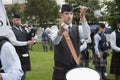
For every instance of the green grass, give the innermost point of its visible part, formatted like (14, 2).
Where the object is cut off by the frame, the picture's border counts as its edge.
(42, 64)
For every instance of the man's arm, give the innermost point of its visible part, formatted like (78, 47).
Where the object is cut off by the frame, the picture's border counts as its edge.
(55, 35)
(97, 39)
(10, 63)
(14, 41)
(84, 30)
(113, 42)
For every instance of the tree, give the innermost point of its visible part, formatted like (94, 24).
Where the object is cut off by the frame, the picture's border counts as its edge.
(15, 8)
(41, 12)
(93, 4)
(112, 12)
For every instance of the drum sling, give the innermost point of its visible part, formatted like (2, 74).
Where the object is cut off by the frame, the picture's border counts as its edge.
(71, 47)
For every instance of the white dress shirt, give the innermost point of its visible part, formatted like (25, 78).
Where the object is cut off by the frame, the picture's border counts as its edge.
(97, 38)
(113, 42)
(7, 32)
(10, 63)
(84, 33)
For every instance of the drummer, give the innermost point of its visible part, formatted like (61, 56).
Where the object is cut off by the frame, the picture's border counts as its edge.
(101, 51)
(63, 60)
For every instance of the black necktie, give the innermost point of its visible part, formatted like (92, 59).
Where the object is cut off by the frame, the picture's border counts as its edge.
(69, 29)
(20, 28)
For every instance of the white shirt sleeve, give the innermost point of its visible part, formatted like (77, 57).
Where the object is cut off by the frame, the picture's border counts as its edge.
(13, 40)
(10, 63)
(97, 38)
(89, 40)
(54, 35)
(8, 33)
(84, 31)
(83, 46)
(113, 42)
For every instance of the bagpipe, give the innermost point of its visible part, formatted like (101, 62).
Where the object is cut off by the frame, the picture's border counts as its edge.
(31, 33)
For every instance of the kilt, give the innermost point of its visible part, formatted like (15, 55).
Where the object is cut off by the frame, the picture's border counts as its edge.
(85, 55)
(59, 72)
(99, 61)
(26, 65)
(24, 56)
(115, 63)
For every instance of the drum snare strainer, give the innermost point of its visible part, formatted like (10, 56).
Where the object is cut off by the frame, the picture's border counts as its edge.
(82, 74)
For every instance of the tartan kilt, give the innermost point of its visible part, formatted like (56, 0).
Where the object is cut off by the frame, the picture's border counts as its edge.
(59, 73)
(85, 55)
(99, 61)
(26, 65)
(25, 60)
(115, 63)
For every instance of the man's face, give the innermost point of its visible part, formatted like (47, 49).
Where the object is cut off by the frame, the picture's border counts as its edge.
(118, 25)
(102, 30)
(16, 21)
(67, 17)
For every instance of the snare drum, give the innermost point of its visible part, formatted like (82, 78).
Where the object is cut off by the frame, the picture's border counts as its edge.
(82, 74)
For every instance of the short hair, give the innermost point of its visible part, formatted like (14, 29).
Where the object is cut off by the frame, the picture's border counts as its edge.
(101, 25)
(16, 16)
(118, 21)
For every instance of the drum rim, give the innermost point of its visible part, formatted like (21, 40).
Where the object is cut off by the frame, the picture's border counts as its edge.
(86, 68)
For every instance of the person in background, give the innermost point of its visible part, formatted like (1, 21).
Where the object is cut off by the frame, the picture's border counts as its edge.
(63, 60)
(22, 51)
(85, 54)
(45, 39)
(115, 45)
(101, 51)
(10, 66)
(51, 45)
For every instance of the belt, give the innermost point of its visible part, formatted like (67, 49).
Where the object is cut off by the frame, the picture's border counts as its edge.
(59, 64)
(62, 66)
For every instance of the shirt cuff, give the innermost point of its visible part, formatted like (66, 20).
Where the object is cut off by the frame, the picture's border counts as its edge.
(84, 23)
(57, 39)
(97, 52)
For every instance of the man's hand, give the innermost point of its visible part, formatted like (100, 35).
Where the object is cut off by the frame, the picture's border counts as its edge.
(99, 55)
(30, 42)
(62, 26)
(34, 39)
(107, 44)
(1, 77)
(83, 10)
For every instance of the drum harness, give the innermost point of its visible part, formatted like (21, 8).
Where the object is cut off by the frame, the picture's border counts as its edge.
(71, 47)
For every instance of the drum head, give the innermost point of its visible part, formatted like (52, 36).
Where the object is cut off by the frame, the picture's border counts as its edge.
(82, 74)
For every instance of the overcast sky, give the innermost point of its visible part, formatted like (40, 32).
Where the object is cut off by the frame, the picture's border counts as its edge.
(10, 1)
